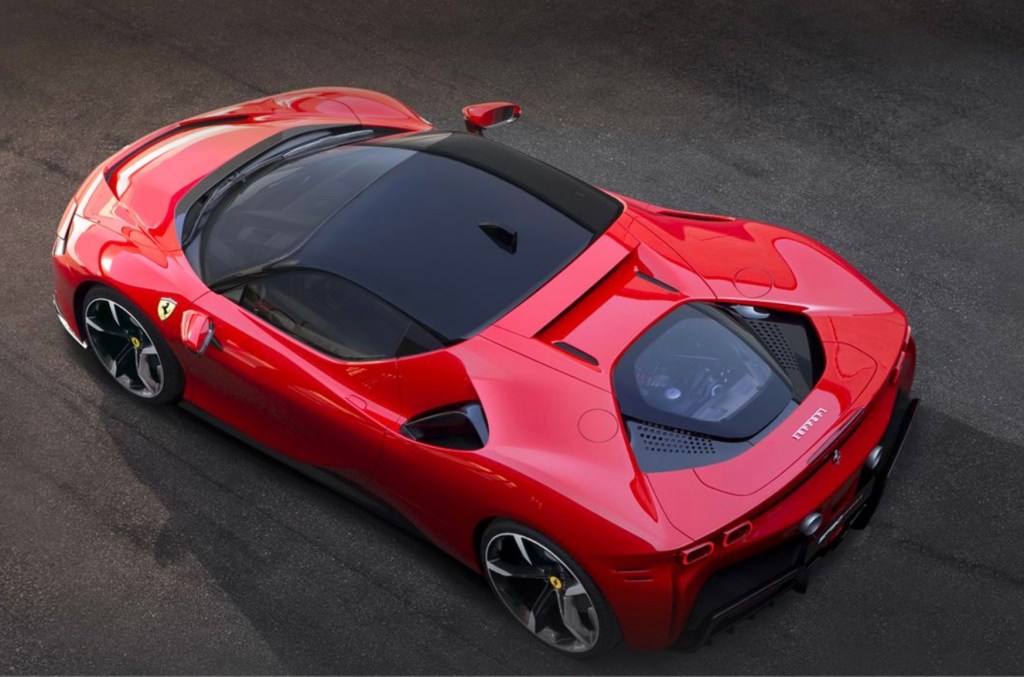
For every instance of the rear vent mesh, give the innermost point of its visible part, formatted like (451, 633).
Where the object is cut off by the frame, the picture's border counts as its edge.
(661, 438)
(771, 336)
(659, 447)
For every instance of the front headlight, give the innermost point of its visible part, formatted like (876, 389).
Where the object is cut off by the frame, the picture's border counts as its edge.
(61, 245)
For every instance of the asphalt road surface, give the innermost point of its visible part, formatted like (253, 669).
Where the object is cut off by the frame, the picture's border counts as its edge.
(141, 540)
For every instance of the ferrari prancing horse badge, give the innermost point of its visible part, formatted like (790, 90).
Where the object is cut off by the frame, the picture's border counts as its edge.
(165, 308)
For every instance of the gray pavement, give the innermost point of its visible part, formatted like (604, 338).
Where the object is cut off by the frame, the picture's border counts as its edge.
(135, 540)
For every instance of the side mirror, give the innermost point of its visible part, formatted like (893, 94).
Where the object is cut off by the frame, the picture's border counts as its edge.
(196, 331)
(481, 116)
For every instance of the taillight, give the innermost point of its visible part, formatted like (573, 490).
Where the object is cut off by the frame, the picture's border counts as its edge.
(730, 536)
(894, 375)
(736, 533)
(696, 552)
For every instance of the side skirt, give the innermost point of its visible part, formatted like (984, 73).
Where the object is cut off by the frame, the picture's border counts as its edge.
(347, 489)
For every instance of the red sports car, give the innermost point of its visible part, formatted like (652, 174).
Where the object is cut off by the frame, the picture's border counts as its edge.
(638, 423)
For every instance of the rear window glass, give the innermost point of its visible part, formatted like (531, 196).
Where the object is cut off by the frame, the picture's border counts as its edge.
(696, 371)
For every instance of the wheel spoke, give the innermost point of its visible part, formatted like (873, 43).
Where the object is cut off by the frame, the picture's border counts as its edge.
(541, 606)
(145, 371)
(113, 312)
(517, 570)
(124, 347)
(542, 592)
(571, 618)
(522, 548)
(91, 323)
(592, 615)
(135, 323)
(545, 600)
(575, 589)
(119, 366)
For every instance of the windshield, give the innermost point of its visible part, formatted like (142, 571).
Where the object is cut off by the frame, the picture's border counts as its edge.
(274, 213)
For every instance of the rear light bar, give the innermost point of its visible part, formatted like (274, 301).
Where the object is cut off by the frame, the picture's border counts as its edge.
(737, 533)
(894, 375)
(696, 552)
(730, 536)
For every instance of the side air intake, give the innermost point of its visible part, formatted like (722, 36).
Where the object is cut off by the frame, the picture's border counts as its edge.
(461, 426)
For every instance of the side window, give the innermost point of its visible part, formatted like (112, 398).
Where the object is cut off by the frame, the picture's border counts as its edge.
(333, 315)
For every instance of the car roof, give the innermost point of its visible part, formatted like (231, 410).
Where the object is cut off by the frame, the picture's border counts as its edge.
(452, 229)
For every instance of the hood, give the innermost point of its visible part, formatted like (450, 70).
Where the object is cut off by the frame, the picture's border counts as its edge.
(151, 180)
(149, 176)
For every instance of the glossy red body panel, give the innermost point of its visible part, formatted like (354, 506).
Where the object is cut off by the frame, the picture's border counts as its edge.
(557, 458)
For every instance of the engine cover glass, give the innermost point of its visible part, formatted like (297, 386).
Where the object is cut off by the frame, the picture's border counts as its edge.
(701, 371)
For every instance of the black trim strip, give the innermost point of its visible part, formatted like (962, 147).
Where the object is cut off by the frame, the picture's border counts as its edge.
(576, 352)
(655, 281)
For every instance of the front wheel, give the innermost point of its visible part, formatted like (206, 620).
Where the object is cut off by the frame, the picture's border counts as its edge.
(547, 591)
(130, 348)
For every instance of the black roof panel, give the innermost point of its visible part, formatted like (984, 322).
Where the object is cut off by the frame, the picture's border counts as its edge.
(452, 229)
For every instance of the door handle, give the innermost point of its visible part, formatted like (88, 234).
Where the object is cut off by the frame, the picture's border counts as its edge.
(197, 332)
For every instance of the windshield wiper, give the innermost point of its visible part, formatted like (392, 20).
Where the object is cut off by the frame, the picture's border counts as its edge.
(326, 142)
(283, 153)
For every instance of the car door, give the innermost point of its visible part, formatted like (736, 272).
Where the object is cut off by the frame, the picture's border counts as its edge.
(302, 362)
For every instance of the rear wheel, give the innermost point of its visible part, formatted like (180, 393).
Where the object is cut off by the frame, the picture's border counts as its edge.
(547, 591)
(130, 348)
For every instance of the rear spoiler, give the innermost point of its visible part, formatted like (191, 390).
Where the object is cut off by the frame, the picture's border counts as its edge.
(133, 150)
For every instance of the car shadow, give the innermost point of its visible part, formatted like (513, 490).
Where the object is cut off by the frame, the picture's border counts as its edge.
(327, 586)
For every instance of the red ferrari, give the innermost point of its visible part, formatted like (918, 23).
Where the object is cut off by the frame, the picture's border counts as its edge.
(638, 423)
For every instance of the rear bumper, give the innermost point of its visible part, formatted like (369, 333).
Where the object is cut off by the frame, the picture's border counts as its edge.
(739, 591)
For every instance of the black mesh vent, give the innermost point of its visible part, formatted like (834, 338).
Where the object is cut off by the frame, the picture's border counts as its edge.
(664, 439)
(658, 448)
(772, 338)
(718, 606)
(792, 342)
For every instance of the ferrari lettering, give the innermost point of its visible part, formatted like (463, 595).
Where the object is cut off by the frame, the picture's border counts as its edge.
(809, 423)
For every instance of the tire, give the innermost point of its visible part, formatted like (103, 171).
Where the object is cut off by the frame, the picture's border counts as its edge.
(530, 573)
(129, 347)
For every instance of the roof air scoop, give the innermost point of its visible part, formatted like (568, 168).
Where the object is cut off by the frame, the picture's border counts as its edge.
(503, 236)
